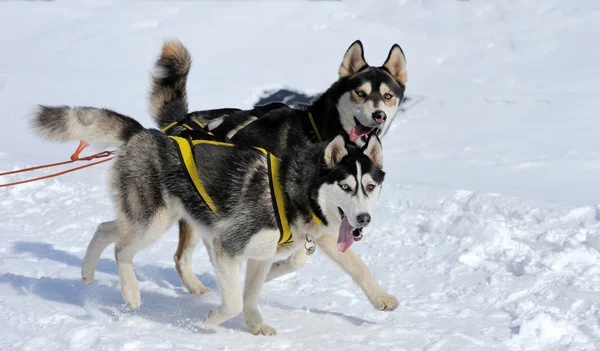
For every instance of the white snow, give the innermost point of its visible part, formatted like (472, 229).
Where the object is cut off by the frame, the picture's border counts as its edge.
(487, 230)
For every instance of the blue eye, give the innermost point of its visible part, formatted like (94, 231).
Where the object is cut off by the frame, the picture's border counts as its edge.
(345, 187)
(360, 93)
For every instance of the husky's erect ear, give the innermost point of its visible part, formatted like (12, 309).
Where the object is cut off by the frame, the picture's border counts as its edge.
(354, 60)
(335, 151)
(374, 150)
(396, 64)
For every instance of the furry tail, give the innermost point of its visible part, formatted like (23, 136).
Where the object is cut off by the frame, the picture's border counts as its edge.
(94, 125)
(168, 100)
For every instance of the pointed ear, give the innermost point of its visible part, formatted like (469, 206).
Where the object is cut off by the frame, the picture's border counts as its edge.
(396, 64)
(335, 151)
(374, 151)
(354, 60)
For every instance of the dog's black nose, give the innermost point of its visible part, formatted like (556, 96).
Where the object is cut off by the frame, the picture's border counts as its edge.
(379, 116)
(364, 219)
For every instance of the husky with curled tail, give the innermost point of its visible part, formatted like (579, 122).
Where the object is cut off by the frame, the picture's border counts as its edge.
(361, 103)
(248, 204)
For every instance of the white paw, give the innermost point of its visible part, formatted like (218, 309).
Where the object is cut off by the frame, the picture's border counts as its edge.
(199, 289)
(220, 315)
(261, 329)
(209, 320)
(87, 275)
(384, 302)
(132, 298)
(134, 303)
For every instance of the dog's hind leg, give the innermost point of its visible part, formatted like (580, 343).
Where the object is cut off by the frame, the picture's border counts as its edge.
(209, 249)
(188, 240)
(137, 237)
(228, 272)
(106, 234)
(124, 252)
(291, 264)
(256, 271)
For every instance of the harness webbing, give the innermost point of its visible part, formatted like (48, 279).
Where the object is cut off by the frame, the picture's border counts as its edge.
(186, 155)
(314, 125)
(285, 234)
(196, 136)
(186, 126)
(187, 159)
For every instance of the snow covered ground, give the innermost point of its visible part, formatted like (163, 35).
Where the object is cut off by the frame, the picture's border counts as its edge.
(487, 230)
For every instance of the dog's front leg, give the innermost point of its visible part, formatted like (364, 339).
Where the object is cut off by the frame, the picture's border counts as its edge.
(358, 270)
(291, 264)
(228, 273)
(256, 271)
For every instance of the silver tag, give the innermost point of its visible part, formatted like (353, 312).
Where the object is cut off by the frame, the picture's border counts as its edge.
(310, 247)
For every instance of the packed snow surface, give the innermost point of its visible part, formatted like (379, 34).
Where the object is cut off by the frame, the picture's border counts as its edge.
(486, 231)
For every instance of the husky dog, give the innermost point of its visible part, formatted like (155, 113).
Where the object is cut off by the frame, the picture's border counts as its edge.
(361, 103)
(364, 100)
(324, 187)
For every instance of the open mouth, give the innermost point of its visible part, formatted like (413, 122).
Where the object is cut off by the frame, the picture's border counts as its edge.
(347, 234)
(359, 131)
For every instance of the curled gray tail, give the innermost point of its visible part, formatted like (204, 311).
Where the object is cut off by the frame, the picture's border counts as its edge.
(97, 126)
(168, 100)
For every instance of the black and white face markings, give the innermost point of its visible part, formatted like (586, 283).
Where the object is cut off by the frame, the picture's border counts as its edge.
(371, 95)
(353, 183)
(371, 102)
(362, 189)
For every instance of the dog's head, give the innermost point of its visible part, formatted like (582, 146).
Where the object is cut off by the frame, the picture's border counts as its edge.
(368, 97)
(351, 181)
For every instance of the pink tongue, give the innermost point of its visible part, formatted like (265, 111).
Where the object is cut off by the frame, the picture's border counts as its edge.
(345, 238)
(358, 132)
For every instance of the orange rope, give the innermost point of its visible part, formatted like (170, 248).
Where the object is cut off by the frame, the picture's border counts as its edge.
(74, 158)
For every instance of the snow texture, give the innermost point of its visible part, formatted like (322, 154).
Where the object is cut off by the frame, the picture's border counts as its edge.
(486, 231)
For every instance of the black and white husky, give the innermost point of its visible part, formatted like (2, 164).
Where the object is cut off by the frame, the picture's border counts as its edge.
(325, 187)
(363, 102)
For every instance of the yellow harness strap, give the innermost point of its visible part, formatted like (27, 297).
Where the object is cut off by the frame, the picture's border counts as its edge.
(187, 159)
(279, 203)
(169, 127)
(186, 126)
(285, 235)
(316, 219)
(314, 125)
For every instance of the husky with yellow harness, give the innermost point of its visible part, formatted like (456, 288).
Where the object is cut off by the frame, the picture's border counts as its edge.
(247, 204)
